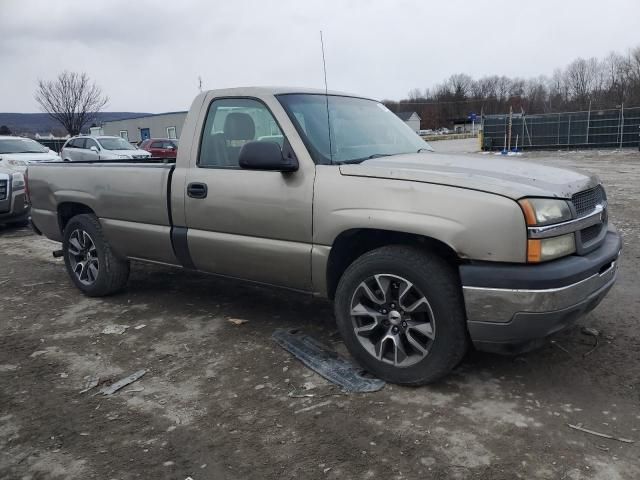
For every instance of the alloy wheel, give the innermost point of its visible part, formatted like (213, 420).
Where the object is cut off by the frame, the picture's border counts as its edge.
(392, 320)
(83, 257)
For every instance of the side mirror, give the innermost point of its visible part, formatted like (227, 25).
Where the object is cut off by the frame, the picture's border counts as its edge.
(265, 156)
(94, 148)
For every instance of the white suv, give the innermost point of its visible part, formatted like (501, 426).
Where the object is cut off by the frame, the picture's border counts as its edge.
(87, 148)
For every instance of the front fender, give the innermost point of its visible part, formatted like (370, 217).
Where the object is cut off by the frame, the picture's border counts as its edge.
(476, 225)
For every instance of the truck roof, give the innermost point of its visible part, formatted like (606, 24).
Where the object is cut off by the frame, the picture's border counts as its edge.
(257, 91)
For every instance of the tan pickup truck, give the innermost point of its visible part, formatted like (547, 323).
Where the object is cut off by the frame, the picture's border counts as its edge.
(422, 253)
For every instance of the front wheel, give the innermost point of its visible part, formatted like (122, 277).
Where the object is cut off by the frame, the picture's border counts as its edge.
(90, 262)
(401, 314)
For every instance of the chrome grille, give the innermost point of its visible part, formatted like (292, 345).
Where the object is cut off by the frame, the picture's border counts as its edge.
(3, 189)
(585, 202)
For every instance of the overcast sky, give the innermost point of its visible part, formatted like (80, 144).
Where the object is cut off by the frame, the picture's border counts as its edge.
(147, 55)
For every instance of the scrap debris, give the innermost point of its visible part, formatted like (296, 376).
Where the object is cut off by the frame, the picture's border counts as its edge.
(237, 321)
(37, 284)
(115, 329)
(114, 387)
(593, 333)
(91, 382)
(322, 360)
(603, 435)
(312, 407)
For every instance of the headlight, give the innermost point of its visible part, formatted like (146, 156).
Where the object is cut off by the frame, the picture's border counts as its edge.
(17, 182)
(124, 156)
(544, 211)
(545, 249)
(17, 163)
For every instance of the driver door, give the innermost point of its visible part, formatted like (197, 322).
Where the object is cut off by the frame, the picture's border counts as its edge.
(249, 224)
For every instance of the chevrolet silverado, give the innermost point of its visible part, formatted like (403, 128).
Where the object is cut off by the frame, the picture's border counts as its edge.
(422, 254)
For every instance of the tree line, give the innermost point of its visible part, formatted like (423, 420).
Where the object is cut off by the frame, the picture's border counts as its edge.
(596, 83)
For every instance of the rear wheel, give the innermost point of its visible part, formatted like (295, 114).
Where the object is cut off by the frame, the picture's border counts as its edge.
(90, 262)
(401, 314)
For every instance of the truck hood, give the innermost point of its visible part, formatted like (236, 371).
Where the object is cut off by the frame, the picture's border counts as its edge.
(489, 173)
(133, 153)
(18, 161)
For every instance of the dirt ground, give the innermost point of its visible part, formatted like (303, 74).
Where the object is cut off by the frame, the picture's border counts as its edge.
(220, 400)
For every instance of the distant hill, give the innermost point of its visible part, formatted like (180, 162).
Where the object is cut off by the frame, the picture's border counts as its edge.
(25, 123)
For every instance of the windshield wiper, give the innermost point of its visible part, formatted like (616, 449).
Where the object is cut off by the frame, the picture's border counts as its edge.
(370, 157)
(420, 150)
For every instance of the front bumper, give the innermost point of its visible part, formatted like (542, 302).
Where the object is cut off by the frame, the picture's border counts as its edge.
(512, 308)
(14, 208)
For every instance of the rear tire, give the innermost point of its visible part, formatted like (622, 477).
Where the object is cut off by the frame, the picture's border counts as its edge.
(91, 264)
(401, 314)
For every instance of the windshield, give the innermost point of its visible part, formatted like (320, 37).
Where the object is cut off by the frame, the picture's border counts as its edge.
(115, 143)
(360, 128)
(21, 145)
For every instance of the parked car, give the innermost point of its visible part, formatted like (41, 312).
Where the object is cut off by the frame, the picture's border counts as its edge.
(90, 148)
(14, 208)
(161, 147)
(421, 252)
(16, 153)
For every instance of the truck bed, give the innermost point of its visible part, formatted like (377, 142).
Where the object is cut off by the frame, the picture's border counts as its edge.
(130, 197)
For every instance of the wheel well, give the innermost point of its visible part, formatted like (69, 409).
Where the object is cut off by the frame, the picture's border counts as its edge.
(350, 245)
(68, 210)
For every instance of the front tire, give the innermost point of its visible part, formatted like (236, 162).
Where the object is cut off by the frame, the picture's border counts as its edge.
(401, 314)
(90, 262)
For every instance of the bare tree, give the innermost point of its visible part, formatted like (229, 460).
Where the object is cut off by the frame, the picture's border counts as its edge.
(71, 99)
(585, 83)
(460, 85)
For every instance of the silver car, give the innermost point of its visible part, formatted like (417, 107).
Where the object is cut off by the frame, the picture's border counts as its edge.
(14, 207)
(87, 148)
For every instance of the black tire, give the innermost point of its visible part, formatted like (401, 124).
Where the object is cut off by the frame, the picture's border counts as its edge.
(112, 271)
(438, 283)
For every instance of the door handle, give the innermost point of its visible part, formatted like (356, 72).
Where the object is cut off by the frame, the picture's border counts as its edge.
(197, 190)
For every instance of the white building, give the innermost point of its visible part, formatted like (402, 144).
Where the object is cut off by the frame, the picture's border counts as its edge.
(161, 125)
(410, 118)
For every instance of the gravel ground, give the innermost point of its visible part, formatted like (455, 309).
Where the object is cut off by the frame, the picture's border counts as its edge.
(216, 401)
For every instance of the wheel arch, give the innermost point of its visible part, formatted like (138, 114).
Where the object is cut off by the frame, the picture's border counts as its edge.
(351, 244)
(68, 210)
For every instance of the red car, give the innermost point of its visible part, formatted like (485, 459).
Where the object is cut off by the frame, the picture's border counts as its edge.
(161, 147)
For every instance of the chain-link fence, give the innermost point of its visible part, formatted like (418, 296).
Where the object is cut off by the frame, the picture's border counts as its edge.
(615, 128)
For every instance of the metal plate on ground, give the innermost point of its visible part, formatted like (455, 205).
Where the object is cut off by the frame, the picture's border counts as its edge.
(329, 364)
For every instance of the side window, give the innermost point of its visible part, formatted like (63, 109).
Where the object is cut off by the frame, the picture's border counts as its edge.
(230, 123)
(156, 145)
(78, 143)
(88, 143)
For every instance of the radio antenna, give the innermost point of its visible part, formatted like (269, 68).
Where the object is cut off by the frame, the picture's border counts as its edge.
(326, 96)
